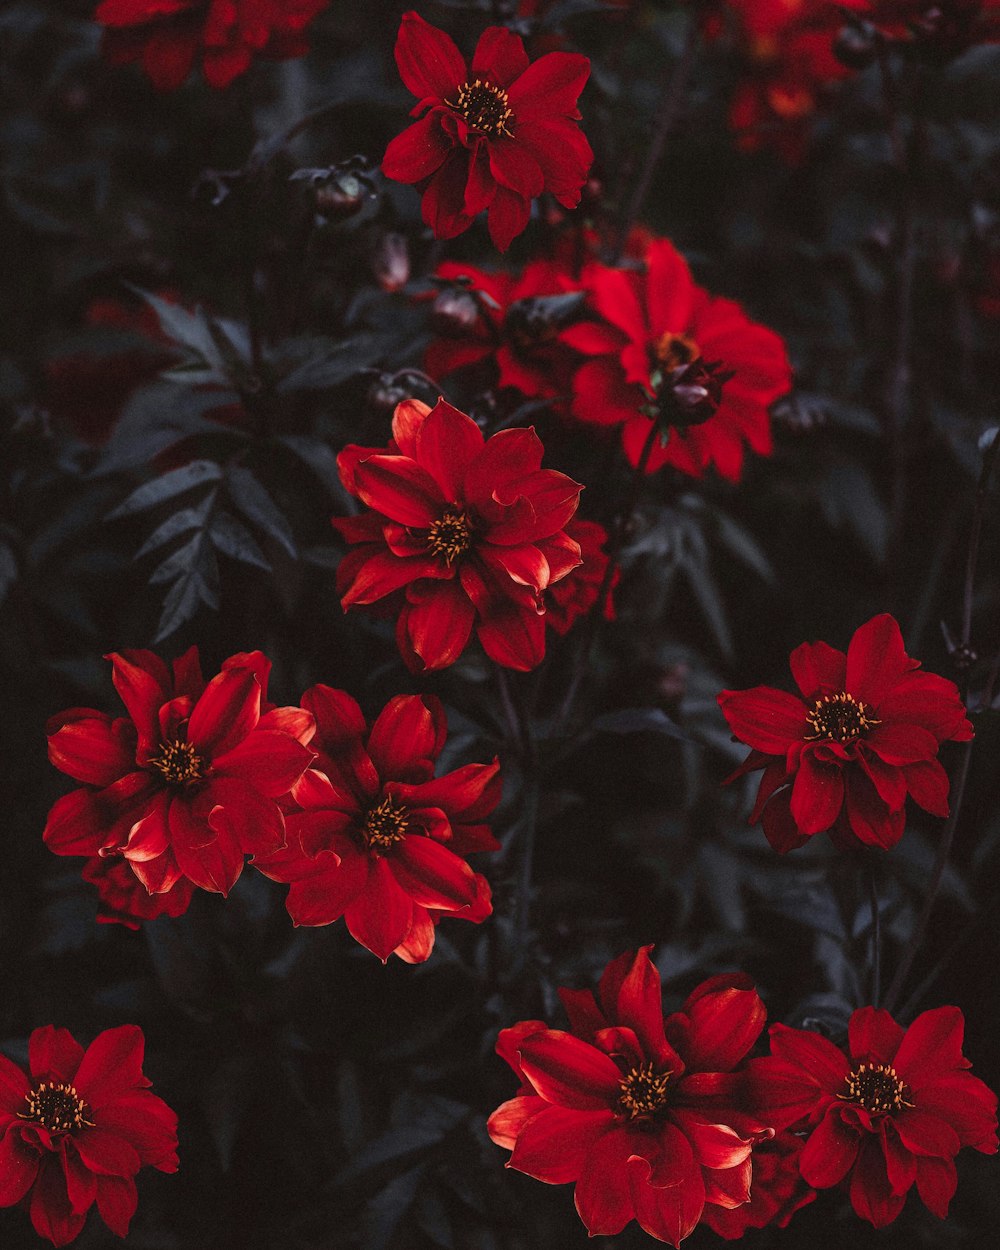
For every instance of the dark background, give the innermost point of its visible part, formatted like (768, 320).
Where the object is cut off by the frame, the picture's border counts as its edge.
(326, 1101)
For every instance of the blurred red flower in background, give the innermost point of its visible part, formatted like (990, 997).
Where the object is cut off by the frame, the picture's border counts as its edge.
(641, 1112)
(186, 784)
(894, 1110)
(576, 594)
(77, 1127)
(165, 36)
(493, 136)
(376, 837)
(123, 899)
(472, 530)
(844, 754)
(667, 356)
(776, 1192)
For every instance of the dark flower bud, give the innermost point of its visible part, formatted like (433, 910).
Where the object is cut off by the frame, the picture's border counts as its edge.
(687, 394)
(339, 197)
(856, 45)
(454, 312)
(386, 392)
(537, 319)
(391, 261)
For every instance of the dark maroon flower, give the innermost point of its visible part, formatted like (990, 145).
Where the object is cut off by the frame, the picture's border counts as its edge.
(777, 1191)
(77, 1127)
(123, 899)
(894, 1110)
(842, 756)
(576, 594)
(493, 136)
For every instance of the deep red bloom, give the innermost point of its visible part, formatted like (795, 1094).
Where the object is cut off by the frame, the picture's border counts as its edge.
(492, 136)
(473, 529)
(377, 838)
(666, 351)
(123, 899)
(895, 1109)
(186, 784)
(777, 1191)
(575, 595)
(516, 328)
(77, 1127)
(166, 35)
(844, 754)
(641, 1112)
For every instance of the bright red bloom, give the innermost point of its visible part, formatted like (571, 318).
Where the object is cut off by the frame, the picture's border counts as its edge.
(895, 1109)
(473, 529)
(575, 595)
(639, 1111)
(844, 754)
(186, 784)
(123, 899)
(166, 35)
(493, 136)
(516, 328)
(777, 1191)
(377, 838)
(666, 351)
(77, 1127)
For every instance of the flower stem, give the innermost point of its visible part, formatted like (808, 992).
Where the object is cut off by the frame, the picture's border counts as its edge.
(876, 934)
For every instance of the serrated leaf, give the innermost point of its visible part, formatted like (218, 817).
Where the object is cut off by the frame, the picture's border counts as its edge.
(174, 482)
(155, 418)
(233, 539)
(196, 586)
(190, 330)
(177, 524)
(250, 497)
(332, 363)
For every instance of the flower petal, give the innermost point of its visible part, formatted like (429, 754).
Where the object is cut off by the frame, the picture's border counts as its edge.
(668, 1212)
(226, 713)
(400, 489)
(555, 1144)
(380, 917)
(766, 719)
(111, 1065)
(429, 63)
(431, 875)
(447, 442)
(499, 56)
(817, 794)
(54, 1055)
(819, 670)
(603, 1195)
(830, 1151)
(876, 659)
(417, 152)
(568, 1072)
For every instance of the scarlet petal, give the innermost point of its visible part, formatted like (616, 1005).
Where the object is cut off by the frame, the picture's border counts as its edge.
(469, 793)
(380, 917)
(74, 825)
(874, 1035)
(93, 749)
(514, 638)
(106, 1153)
(18, 1168)
(937, 1180)
(51, 1214)
(553, 1146)
(213, 865)
(714, 1145)
(569, 1072)
(823, 1062)
(111, 1065)
(505, 1124)
(226, 713)
(871, 820)
(902, 744)
(509, 214)
(54, 1055)
(242, 817)
(926, 1134)
(723, 1027)
(407, 737)
(429, 63)
(550, 86)
(830, 1152)
(143, 685)
(968, 1105)
(928, 785)
(639, 1006)
(931, 1046)
(871, 1193)
(900, 1164)
(513, 166)
(432, 875)
(117, 1200)
(400, 489)
(442, 204)
(766, 719)
(876, 659)
(817, 794)
(603, 1194)
(438, 628)
(14, 1088)
(499, 57)
(322, 896)
(670, 1212)
(382, 573)
(446, 444)
(147, 1123)
(818, 670)
(419, 151)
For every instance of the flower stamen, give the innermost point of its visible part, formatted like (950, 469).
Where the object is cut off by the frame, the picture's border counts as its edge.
(450, 535)
(840, 718)
(56, 1107)
(484, 107)
(384, 826)
(644, 1093)
(179, 764)
(877, 1088)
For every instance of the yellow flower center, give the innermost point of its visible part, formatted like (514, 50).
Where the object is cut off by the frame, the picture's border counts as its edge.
(384, 826)
(450, 535)
(644, 1093)
(57, 1107)
(877, 1088)
(673, 350)
(484, 107)
(179, 764)
(840, 718)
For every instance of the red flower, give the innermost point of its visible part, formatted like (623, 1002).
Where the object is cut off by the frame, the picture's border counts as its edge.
(516, 327)
(123, 899)
(944, 29)
(186, 784)
(843, 756)
(665, 351)
(473, 529)
(377, 838)
(77, 1128)
(493, 136)
(896, 1109)
(165, 35)
(575, 595)
(777, 1192)
(639, 1111)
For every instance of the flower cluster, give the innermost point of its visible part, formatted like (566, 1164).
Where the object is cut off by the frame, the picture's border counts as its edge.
(77, 1127)
(843, 755)
(165, 36)
(493, 135)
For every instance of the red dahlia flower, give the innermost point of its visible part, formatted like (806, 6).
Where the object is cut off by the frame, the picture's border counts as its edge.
(668, 356)
(472, 529)
(777, 1191)
(377, 838)
(843, 756)
(639, 1111)
(77, 1127)
(165, 35)
(123, 899)
(185, 785)
(576, 594)
(896, 1109)
(516, 327)
(493, 136)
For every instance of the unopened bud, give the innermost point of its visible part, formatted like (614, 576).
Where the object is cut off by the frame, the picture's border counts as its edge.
(454, 312)
(856, 46)
(391, 261)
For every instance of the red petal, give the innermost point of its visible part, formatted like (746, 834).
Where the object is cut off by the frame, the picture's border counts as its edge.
(143, 684)
(380, 919)
(438, 628)
(407, 738)
(416, 947)
(817, 794)
(569, 1072)
(830, 1151)
(75, 825)
(407, 418)
(112, 1064)
(668, 1212)
(766, 719)
(928, 785)
(639, 1006)
(931, 1046)
(442, 205)
(513, 637)
(818, 670)
(505, 1124)
(214, 865)
(968, 1105)
(242, 817)
(668, 288)
(400, 489)
(876, 659)
(18, 1168)
(554, 1145)
(447, 442)
(226, 713)
(902, 744)
(81, 1184)
(51, 1215)
(419, 151)
(499, 56)
(508, 456)
(469, 793)
(132, 12)
(874, 1035)
(324, 895)
(937, 1180)
(54, 1055)
(513, 166)
(603, 1195)
(148, 1123)
(817, 1057)
(271, 762)
(900, 1164)
(870, 819)
(509, 214)
(116, 1201)
(432, 875)
(107, 1153)
(383, 573)
(429, 63)
(714, 1145)
(14, 1088)
(722, 1026)
(924, 1133)
(550, 86)
(509, 1043)
(92, 748)
(871, 1193)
